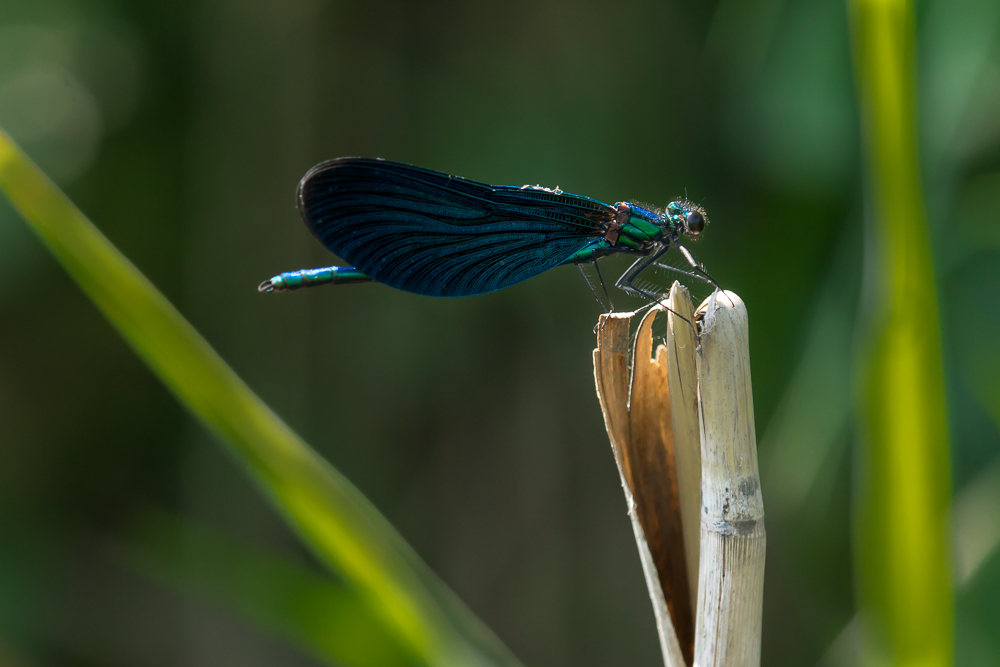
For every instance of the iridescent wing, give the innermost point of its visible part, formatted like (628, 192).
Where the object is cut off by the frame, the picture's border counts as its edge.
(430, 233)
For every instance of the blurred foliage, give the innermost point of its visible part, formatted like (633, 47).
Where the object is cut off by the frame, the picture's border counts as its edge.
(277, 594)
(903, 487)
(182, 128)
(327, 512)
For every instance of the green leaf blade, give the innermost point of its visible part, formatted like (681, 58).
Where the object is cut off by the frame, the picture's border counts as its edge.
(278, 595)
(328, 513)
(904, 489)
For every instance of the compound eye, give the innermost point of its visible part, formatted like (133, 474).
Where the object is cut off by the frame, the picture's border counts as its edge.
(695, 221)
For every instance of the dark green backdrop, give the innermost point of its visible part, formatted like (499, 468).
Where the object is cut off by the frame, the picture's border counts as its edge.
(182, 128)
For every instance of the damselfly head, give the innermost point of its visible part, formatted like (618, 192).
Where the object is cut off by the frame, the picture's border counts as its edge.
(687, 217)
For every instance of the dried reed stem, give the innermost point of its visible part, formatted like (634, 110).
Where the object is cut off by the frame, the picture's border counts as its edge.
(683, 436)
(682, 371)
(638, 419)
(731, 572)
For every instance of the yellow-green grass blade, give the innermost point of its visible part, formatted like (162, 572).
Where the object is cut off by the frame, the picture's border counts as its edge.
(330, 515)
(904, 579)
(282, 597)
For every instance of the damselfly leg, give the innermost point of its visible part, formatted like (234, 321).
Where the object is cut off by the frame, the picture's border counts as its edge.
(593, 291)
(625, 283)
(611, 304)
(699, 268)
(689, 274)
(604, 287)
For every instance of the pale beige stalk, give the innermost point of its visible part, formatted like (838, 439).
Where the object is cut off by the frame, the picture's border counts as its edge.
(682, 373)
(731, 570)
(638, 420)
(682, 431)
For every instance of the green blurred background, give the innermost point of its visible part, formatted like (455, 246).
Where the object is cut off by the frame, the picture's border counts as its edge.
(181, 129)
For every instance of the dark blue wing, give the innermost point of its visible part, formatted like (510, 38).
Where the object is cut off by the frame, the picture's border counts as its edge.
(427, 232)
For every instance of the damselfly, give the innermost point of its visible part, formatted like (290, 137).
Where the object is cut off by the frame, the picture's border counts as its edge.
(426, 232)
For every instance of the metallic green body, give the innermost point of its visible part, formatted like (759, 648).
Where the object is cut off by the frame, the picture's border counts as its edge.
(641, 229)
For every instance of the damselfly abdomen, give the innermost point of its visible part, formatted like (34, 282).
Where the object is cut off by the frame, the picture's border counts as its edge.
(429, 233)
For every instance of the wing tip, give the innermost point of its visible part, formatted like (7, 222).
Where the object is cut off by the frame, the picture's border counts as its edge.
(320, 168)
